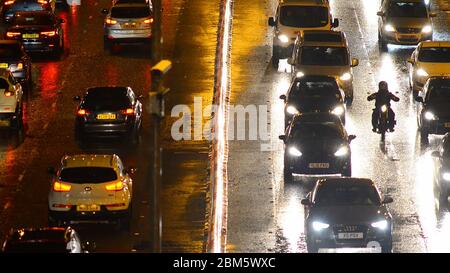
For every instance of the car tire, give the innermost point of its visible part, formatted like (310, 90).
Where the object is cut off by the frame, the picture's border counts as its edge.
(124, 223)
(424, 135)
(347, 171)
(287, 173)
(107, 45)
(382, 44)
(387, 247)
(312, 248)
(275, 59)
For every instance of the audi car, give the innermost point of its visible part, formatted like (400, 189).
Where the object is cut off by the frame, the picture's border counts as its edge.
(404, 22)
(90, 189)
(39, 31)
(14, 58)
(12, 6)
(313, 94)
(433, 111)
(109, 111)
(316, 144)
(44, 240)
(347, 213)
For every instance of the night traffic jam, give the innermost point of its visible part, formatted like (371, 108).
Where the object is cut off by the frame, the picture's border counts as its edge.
(224, 126)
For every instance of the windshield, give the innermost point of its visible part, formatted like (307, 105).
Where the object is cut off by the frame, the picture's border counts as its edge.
(407, 9)
(303, 16)
(304, 89)
(435, 55)
(346, 194)
(89, 175)
(130, 12)
(321, 55)
(106, 100)
(316, 130)
(33, 19)
(439, 91)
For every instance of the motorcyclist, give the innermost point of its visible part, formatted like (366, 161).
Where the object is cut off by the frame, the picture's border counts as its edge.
(383, 97)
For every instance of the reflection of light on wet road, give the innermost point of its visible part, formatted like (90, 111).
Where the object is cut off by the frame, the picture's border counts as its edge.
(370, 11)
(387, 72)
(292, 222)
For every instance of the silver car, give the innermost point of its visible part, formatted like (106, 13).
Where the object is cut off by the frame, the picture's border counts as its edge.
(128, 23)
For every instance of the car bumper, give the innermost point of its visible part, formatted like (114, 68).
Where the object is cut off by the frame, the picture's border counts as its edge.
(309, 166)
(74, 216)
(105, 128)
(406, 39)
(40, 45)
(132, 35)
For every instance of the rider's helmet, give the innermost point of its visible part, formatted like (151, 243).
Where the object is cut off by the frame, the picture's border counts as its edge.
(382, 85)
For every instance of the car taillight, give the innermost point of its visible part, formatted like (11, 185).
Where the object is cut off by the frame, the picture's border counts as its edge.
(48, 33)
(128, 112)
(12, 34)
(7, 3)
(148, 21)
(8, 94)
(62, 206)
(44, 2)
(115, 186)
(82, 112)
(110, 21)
(61, 187)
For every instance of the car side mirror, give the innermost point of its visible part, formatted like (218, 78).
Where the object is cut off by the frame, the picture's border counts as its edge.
(387, 200)
(89, 247)
(131, 170)
(335, 23)
(283, 97)
(77, 98)
(435, 154)
(410, 60)
(51, 170)
(419, 99)
(272, 22)
(306, 202)
(380, 13)
(282, 137)
(433, 14)
(355, 62)
(105, 11)
(351, 138)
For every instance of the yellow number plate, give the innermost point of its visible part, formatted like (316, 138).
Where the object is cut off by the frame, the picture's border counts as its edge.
(4, 65)
(106, 116)
(5, 122)
(128, 26)
(88, 208)
(30, 35)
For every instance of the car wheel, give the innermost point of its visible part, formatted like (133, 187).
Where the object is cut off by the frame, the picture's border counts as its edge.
(311, 247)
(17, 123)
(382, 44)
(124, 223)
(347, 171)
(288, 178)
(106, 44)
(134, 136)
(275, 59)
(424, 135)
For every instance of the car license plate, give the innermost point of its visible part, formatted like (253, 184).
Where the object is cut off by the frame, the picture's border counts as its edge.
(350, 235)
(30, 35)
(4, 65)
(447, 125)
(128, 26)
(5, 122)
(106, 116)
(88, 208)
(319, 165)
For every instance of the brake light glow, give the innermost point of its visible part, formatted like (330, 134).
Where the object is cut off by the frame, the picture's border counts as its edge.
(128, 111)
(19, 66)
(110, 21)
(8, 94)
(7, 3)
(148, 21)
(44, 2)
(61, 187)
(12, 34)
(82, 112)
(115, 186)
(48, 33)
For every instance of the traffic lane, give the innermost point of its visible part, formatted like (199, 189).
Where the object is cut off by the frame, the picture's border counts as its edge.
(392, 165)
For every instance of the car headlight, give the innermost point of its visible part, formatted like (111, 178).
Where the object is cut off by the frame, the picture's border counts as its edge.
(430, 116)
(346, 76)
(295, 152)
(383, 224)
(338, 111)
(292, 110)
(342, 151)
(446, 176)
(389, 28)
(300, 74)
(421, 73)
(283, 38)
(384, 108)
(318, 226)
(427, 29)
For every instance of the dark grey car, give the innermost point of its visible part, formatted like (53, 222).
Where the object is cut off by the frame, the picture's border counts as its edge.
(9, 7)
(347, 213)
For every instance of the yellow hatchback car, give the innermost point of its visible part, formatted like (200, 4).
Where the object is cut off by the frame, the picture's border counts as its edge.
(431, 58)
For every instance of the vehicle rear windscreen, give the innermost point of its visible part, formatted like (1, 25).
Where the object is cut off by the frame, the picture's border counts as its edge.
(106, 100)
(435, 55)
(130, 12)
(322, 55)
(91, 175)
(407, 9)
(33, 19)
(311, 89)
(10, 51)
(303, 16)
(342, 194)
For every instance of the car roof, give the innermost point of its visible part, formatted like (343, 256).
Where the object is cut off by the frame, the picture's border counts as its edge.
(39, 234)
(346, 180)
(304, 2)
(426, 44)
(88, 160)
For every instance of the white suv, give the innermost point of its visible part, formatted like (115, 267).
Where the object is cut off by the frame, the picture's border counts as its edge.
(11, 104)
(90, 188)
